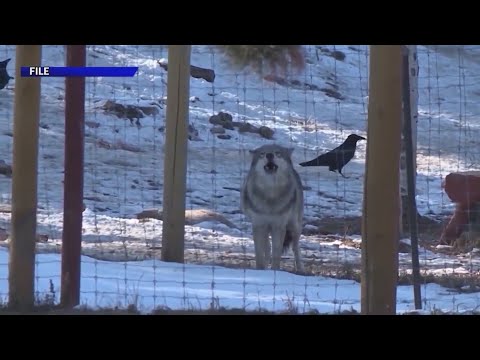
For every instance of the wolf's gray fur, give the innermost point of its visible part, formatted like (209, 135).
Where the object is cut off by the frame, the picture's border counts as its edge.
(272, 198)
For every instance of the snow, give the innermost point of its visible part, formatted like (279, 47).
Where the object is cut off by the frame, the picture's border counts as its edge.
(120, 183)
(154, 284)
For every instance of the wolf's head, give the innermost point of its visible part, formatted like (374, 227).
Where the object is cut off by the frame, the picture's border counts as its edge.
(272, 159)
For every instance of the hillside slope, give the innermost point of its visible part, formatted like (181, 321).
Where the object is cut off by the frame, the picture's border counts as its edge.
(312, 112)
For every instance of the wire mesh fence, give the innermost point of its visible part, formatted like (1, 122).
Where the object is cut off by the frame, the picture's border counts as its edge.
(230, 113)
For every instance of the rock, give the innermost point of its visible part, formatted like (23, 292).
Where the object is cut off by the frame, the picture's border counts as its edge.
(118, 145)
(5, 169)
(266, 132)
(218, 129)
(195, 71)
(224, 137)
(223, 119)
(244, 127)
(193, 133)
(294, 84)
(3, 234)
(333, 93)
(92, 124)
(336, 54)
(150, 214)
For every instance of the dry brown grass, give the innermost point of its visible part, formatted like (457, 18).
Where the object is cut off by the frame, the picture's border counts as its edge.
(132, 310)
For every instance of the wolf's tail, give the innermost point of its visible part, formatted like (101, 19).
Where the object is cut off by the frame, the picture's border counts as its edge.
(287, 241)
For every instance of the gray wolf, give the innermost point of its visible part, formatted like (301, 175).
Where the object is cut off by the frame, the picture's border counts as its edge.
(272, 198)
(337, 158)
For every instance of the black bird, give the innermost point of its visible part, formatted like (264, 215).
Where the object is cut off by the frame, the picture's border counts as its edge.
(4, 77)
(337, 158)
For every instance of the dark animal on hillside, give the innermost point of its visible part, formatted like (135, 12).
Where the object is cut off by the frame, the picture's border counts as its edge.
(4, 77)
(337, 158)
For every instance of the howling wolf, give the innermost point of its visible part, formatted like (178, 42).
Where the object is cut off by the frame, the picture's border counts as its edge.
(272, 198)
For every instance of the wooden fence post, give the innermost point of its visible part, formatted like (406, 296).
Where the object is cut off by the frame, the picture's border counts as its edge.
(381, 208)
(26, 117)
(176, 146)
(73, 179)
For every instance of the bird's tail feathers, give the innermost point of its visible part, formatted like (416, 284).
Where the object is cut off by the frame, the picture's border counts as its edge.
(319, 161)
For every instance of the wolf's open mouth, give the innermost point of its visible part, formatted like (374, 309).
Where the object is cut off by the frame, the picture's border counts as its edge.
(271, 167)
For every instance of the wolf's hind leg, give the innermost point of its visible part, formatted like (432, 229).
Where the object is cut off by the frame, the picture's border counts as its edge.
(296, 252)
(268, 252)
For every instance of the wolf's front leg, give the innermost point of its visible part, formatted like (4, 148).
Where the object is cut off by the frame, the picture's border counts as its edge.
(278, 235)
(260, 239)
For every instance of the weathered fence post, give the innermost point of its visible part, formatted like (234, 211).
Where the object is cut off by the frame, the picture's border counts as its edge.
(73, 179)
(409, 202)
(176, 146)
(414, 70)
(26, 118)
(412, 74)
(381, 208)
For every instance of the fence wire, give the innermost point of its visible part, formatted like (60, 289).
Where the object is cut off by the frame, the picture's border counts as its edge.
(313, 112)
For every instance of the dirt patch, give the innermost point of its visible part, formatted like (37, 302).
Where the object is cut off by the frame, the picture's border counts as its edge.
(428, 229)
(331, 225)
(118, 145)
(130, 112)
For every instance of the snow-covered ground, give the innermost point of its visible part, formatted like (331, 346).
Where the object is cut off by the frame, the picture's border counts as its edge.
(150, 285)
(120, 183)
